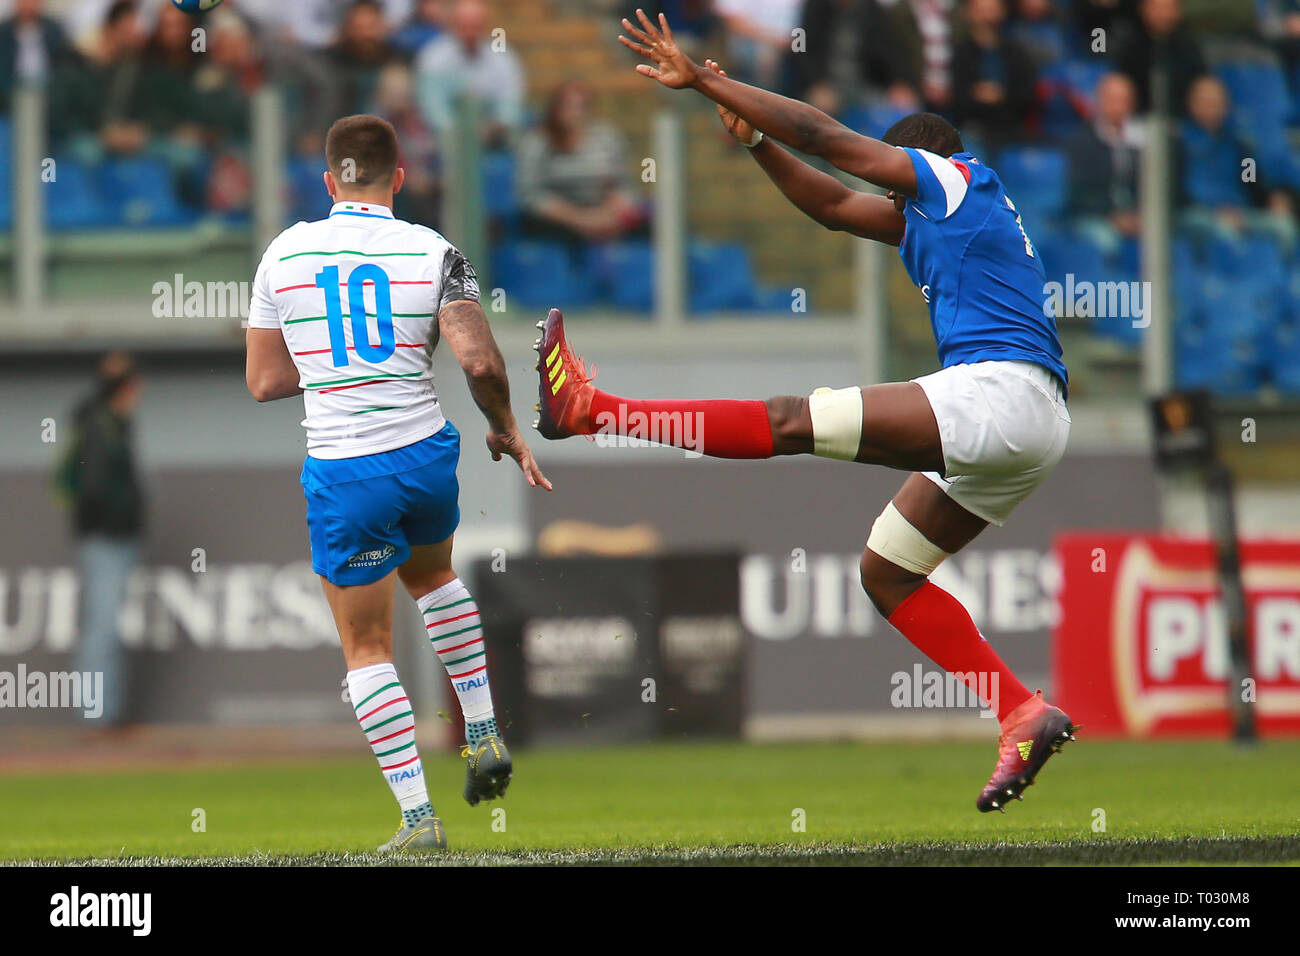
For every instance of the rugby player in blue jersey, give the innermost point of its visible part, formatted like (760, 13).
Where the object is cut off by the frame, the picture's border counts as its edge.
(979, 435)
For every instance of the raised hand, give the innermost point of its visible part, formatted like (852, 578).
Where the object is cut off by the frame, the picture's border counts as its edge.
(672, 67)
(736, 126)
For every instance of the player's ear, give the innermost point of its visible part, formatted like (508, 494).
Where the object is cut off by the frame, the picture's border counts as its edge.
(330, 186)
(399, 179)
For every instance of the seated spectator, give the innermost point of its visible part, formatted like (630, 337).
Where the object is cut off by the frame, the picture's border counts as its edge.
(425, 26)
(462, 61)
(993, 77)
(421, 196)
(852, 58)
(759, 38)
(230, 74)
(573, 181)
(1105, 157)
(355, 59)
(1115, 18)
(1039, 28)
(1161, 37)
(33, 47)
(1211, 180)
(104, 108)
(315, 23)
(925, 28)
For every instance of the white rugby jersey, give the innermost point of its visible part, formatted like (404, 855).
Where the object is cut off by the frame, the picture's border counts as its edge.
(357, 297)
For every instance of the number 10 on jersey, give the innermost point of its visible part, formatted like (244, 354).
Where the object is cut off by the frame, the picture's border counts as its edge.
(328, 280)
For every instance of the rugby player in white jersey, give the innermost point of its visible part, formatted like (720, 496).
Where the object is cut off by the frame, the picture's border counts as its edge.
(347, 311)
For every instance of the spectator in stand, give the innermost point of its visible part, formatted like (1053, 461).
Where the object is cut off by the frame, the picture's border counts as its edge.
(852, 57)
(227, 78)
(923, 29)
(316, 23)
(1104, 161)
(356, 58)
(421, 196)
(759, 35)
(1212, 188)
(176, 105)
(425, 26)
(1115, 18)
(1161, 37)
(993, 77)
(1040, 28)
(33, 48)
(573, 180)
(465, 60)
(1279, 23)
(104, 108)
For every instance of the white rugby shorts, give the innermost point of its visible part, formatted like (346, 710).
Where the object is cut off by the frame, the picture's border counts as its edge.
(1003, 427)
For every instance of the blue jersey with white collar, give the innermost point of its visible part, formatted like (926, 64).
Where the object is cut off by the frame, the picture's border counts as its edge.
(966, 249)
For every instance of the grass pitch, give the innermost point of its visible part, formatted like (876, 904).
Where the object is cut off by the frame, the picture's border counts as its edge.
(861, 803)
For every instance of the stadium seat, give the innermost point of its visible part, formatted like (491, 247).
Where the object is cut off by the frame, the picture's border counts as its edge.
(873, 119)
(499, 197)
(1035, 179)
(624, 274)
(539, 275)
(721, 277)
(1283, 344)
(73, 200)
(140, 192)
(1222, 334)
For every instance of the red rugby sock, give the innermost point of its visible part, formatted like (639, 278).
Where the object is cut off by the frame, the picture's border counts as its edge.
(938, 625)
(721, 428)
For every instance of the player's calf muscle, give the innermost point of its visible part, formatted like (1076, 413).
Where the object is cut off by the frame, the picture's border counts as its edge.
(791, 425)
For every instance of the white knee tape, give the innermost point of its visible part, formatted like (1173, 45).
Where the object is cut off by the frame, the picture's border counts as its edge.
(896, 539)
(836, 422)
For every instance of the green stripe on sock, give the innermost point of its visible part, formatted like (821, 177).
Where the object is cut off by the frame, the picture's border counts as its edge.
(463, 659)
(380, 691)
(452, 604)
(388, 721)
(463, 630)
(396, 749)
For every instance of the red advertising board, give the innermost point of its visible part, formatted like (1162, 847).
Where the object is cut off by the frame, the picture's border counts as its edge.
(1141, 648)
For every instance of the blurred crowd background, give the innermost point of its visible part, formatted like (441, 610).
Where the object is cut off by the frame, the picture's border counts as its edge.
(151, 131)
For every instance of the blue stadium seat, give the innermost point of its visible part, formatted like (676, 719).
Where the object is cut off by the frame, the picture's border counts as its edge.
(499, 196)
(539, 275)
(1283, 345)
(140, 192)
(1221, 335)
(721, 277)
(624, 274)
(873, 119)
(1035, 179)
(73, 201)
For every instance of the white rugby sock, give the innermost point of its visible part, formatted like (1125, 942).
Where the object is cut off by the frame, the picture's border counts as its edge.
(388, 722)
(451, 620)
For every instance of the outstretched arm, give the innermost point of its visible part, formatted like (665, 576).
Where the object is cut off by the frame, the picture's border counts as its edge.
(796, 124)
(465, 329)
(821, 197)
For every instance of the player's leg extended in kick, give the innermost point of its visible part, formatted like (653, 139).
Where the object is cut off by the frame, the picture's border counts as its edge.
(364, 616)
(452, 624)
(889, 424)
(919, 529)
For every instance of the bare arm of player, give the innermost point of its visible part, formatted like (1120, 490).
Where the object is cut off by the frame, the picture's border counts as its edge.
(464, 327)
(269, 369)
(794, 123)
(821, 197)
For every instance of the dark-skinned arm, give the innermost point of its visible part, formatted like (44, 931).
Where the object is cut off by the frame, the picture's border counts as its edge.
(796, 124)
(828, 201)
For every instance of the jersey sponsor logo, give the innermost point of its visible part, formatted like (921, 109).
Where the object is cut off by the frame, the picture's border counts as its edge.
(925, 292)
(372, 559)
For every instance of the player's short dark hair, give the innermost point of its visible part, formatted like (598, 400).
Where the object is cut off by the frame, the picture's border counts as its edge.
(367, 146)
(925, 131)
